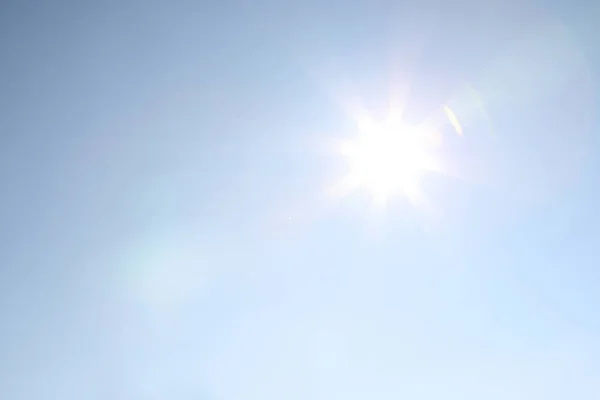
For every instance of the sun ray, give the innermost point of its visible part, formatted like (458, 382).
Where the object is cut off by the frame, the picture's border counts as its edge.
(387, 158)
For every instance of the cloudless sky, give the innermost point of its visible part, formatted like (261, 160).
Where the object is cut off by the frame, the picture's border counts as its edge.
(163, 229)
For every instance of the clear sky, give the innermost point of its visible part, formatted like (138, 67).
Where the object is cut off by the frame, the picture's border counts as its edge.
(165, 229)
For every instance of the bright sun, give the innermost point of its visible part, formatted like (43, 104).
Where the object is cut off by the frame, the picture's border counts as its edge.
(388, 158)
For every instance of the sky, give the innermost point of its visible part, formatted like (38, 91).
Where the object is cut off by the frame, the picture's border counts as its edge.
(165, 231)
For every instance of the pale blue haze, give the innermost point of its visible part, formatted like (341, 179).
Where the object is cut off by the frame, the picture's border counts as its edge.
(164, 234)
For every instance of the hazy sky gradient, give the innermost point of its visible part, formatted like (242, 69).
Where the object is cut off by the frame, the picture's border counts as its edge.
(164, 233)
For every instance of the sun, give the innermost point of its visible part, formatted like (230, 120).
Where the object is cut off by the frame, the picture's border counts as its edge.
(388, 158)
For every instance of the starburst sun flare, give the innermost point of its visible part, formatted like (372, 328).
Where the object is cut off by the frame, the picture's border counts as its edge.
(387, 158)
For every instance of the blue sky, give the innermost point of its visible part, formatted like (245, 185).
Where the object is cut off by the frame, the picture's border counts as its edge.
(164, 233)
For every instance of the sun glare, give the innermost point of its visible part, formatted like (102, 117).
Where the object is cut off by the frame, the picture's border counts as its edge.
(387, 158)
